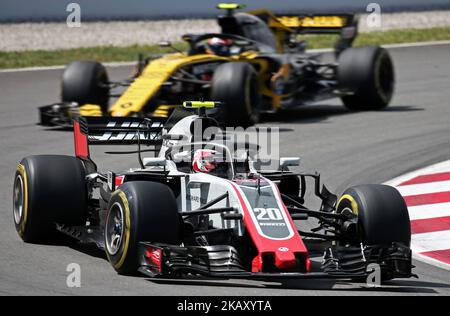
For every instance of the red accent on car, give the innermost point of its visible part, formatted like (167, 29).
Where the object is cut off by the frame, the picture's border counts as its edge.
(297, 238)
(119, 181)
(293, 247)
(207, 77)
(285, 260)
(153, 257)
(203, 161)
(308, 264)
(257, 264)
(81, 142)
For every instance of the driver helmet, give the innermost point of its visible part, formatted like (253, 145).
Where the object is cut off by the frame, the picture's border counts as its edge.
(203, 161)
(218, 46)
(211, 162)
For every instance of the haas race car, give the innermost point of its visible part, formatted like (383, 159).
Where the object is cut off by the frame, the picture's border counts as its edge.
(258, 63)
(199, 207)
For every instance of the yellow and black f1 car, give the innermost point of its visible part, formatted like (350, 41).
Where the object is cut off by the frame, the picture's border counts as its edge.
(261, 66)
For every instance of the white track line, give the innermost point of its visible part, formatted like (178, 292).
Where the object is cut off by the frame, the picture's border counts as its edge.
(438, 239)
(325, 50)
(424, 188)
(429, 211)
(419, 44)
(61, 67)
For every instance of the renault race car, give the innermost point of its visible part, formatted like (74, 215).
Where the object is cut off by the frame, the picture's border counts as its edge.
(200, 207)
(257, 64)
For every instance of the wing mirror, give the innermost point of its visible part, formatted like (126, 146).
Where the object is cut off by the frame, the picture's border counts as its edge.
(155, 162)
(173, 137)
(168, 44)
(286, 162)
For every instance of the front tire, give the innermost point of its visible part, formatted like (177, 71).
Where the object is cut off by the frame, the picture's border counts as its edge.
(86, 82)
(369, 73)
(48, 190)
(236, 85)
(383, 216)
(139, 211)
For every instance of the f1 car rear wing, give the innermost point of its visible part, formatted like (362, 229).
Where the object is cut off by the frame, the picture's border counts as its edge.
(312, 24)
(115, 131)
(130, 131)
(286, 25)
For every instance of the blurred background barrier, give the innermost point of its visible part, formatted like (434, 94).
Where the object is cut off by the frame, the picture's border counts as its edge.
(55, 10)
(52, 36)
(45, 33)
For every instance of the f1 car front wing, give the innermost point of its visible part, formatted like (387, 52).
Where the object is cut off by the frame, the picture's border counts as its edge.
(224, 262)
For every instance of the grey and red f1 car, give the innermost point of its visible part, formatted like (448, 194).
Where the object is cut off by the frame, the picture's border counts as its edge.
(199, 207)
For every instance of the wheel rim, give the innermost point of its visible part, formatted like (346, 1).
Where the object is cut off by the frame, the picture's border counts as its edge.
(115, 227)
(18, 199)
(348, 209)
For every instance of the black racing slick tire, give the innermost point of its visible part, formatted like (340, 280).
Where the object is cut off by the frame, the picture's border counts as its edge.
(236, 85)
(86, 82)
(369, 73)
(383, 216)
(48, 190)
(139, 211)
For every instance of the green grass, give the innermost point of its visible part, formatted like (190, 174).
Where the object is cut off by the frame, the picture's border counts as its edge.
(129, 53)
(384, 38)
(105, 54)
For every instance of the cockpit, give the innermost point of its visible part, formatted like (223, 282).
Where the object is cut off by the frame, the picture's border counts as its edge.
(240, 32)
(251, 27)
(211, 158)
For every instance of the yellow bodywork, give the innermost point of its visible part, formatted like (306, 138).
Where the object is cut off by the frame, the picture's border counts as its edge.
(90, 110)
(199, 104)
(149, 82)
(163, 110)
(309, 22)
(230, 6)
(158, 71)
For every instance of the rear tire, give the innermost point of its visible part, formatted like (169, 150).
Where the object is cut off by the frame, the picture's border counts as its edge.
(382, 214)
(85, 82)
(369, 72)
(236, 85)
(48, 190)
(139, 211)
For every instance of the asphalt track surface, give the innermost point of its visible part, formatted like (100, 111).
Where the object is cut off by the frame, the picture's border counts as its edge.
(347, 148)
